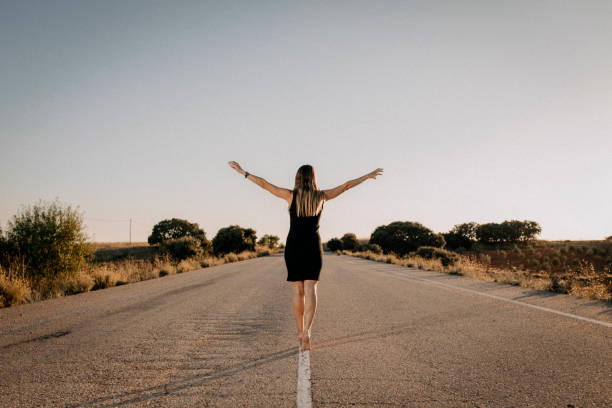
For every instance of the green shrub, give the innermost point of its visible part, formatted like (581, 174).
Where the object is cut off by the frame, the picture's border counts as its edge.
(490, 233)
(375, 248)
(334, 244)
(103, 281)
(403, 237)
(349, 241)
(178, 228)
(181, 248)
(359, 248)
(428, 252)
(270, 241)
(51, 239)
(234, 239)
(265, 252)
(508, 232)
(461, 236)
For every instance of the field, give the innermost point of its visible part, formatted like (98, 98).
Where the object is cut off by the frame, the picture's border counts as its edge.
(114, 251)
(114, 263)
(560, 258)
(579, 268)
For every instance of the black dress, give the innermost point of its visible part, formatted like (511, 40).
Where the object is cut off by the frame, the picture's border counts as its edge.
(303, 249)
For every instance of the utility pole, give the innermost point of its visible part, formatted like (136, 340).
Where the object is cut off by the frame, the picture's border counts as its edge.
(130, 232)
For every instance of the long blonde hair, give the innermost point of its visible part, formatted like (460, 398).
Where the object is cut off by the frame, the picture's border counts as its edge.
(308, 198)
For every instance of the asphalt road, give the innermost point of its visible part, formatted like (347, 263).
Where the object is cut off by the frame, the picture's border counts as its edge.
(383, 336)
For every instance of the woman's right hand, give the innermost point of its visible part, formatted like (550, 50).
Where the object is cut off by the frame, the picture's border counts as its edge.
(375, 173)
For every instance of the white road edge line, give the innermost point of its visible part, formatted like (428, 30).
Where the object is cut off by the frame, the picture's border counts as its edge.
(304, 399)
(518, 302)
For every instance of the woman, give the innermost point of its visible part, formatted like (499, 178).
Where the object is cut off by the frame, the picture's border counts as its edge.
(303, 249)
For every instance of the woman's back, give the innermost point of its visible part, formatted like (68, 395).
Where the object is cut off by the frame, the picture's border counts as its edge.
(308, 224)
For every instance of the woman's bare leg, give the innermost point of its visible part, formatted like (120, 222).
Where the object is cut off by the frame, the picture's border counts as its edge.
(298, 307)
(310, 307)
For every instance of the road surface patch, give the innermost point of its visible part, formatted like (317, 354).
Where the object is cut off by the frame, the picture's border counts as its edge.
(517, 302)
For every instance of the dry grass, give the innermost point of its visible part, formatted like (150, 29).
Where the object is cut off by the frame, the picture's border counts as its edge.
(584, 281)
(111, 269)
(187, 265)
(114, 245)
(231, 257)
(80, 282)
(106, 252)
(263, 252)
(560, 258)
(13, 290)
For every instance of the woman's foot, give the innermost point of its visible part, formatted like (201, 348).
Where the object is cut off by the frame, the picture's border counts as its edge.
(306, 341)
(300, 335)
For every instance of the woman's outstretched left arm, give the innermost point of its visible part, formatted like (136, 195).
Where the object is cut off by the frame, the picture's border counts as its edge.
(280, 192)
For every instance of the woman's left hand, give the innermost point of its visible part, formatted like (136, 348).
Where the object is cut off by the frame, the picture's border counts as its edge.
(234, 165)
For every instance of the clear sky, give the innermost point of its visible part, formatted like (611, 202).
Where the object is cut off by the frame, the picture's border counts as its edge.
(477, 111)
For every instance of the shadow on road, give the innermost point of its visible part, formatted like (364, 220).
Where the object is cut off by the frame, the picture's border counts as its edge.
(149, 393)
(53, 335)
(363, 336)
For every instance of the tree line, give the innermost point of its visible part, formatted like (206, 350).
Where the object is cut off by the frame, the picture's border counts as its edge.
(404, 237)
(183, 239)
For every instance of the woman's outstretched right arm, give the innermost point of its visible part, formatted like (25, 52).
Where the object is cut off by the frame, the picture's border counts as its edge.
(335, 192)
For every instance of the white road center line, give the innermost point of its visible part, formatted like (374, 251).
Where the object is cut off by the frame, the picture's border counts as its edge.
(518, 302)
(304, 399)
